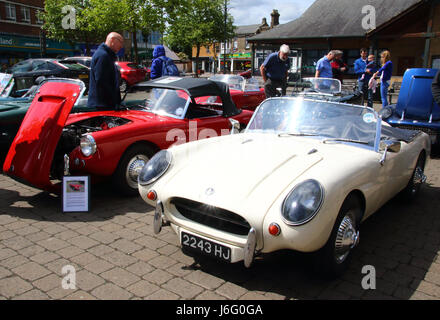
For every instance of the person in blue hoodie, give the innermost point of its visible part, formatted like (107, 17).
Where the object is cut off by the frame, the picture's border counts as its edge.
(156, 66)
(104, 75)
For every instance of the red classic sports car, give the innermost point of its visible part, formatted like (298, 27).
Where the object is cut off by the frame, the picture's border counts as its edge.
(131, 73)
(245, 92)
(115, 144)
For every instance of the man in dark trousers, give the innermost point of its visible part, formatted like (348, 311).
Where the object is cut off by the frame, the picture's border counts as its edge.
(104, 77)
(436, 88)
(274, 71)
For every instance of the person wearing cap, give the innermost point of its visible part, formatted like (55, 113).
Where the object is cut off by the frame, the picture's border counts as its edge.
(274, 71)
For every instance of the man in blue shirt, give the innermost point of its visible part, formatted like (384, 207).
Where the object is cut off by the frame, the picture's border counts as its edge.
(274, 71)
(324, 67)
(360, 66)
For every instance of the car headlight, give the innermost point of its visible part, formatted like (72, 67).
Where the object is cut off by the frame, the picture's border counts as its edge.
(386, 112)
(155, 168)
(303, 203)
(88, 145)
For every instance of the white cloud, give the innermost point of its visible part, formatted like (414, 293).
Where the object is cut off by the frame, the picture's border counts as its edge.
(247, 12)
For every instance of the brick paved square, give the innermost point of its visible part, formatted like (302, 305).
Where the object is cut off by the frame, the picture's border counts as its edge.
(231, 291)
(6, 253)
(4, 273)
(204, 280)
(48, 283)
(162, 295)
(125, 246)
(158, 276)
(104, 237)
(83, 259)
(162, 262)
(38, 236)
(80, 295)
(53, 244)
(14, 261)
(101, 250)
(120, 259)
(26, 230)
(145, 254)
(70, 252)
(140, 268)
(17, 243)
(32, 295)
(44, 257)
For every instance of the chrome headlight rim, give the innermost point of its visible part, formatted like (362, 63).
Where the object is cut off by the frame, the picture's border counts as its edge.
(92, 145)
(159, 175)
(312, 216)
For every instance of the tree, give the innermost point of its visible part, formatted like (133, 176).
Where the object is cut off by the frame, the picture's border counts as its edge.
(197, 23)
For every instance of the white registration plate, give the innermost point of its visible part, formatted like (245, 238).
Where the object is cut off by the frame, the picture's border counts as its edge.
(206, 247)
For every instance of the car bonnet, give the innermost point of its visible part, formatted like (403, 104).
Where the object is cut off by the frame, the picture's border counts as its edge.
(30, 156)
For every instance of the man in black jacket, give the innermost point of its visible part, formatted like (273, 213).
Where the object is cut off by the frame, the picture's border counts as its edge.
(104, 77)
(436, 88)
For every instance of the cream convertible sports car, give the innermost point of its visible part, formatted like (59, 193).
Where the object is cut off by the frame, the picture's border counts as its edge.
(303, 176)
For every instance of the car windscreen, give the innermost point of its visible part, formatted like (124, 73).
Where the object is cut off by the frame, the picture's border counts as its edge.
(296, 116)
(23, 66)
(322, 85)
(234, 82)
(160, 101)
(73, 65)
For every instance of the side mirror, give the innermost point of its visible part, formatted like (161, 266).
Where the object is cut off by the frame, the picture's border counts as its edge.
(388, 146)
(235, 126)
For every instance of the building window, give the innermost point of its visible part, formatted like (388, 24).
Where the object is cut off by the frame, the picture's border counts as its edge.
(25, 14)
(248, 46)
(10, 11)
(37, 17)
(126, 35)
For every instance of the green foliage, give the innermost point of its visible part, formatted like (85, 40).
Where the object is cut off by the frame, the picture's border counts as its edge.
(197, 23)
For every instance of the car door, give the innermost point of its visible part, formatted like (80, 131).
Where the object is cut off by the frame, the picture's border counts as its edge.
(252, 94)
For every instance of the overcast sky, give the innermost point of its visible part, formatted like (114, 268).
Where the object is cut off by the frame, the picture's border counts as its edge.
(247, 12)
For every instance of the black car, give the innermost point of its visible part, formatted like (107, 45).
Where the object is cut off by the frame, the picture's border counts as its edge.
(27, 71)
(85, 61)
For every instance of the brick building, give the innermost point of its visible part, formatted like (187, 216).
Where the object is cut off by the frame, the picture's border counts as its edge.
(20, 33)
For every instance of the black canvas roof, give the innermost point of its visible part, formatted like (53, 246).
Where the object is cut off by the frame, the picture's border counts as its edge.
(195, 87)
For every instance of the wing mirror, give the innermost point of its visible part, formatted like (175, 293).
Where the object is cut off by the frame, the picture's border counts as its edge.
(389, 146)
(235, 126)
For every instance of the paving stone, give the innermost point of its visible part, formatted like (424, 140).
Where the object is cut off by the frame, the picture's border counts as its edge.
(150, 242)
(158, 276)
(113, 227)
(427, 288)
(168, 250)
(120, 277)
(83, 259)
(38, 236)
(83, 242)
(433, 278)
(4, 235)
(17, 243)
(101, 250)
(231, 291)
(26, 231)
(44, 257)
(53, 244)
(6, 253)
(31, 271)
(145, 254)
(13, 286)
(70, 252)
(209, 295)
(59, 293)
(140, 268)
(120, 259)
(421, 296)
(163, 294)
(110, 291)
(80, 295)
(87, 281)
(55, 228)
(183, 288)
(57, 265)
(180, 269)
(104, 237)
(32, 295)
(143, 288)
(31, 250)
(99, 266)
(48, 283)
(4, 273)
(125, 246)
(87, 230)
(162, 262)
(66, 235)
(14, 262)
(253, 296)
(204, 280)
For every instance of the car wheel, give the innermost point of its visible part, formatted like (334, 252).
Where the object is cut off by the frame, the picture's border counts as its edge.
(417, 179)
(334, 258)
(123, 85)
(129, 168)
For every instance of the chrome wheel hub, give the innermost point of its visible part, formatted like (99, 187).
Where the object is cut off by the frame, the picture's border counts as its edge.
(134, 168)
(419, 179)
(346, 239)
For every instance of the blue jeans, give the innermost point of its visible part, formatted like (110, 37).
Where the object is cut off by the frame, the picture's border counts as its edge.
(384, 93)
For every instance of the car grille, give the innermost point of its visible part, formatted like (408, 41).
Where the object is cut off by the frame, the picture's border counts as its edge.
(429, 131)
(210, 216)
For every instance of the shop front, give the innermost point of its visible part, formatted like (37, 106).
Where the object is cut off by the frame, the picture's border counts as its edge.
(236, 62)
(16, 48)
